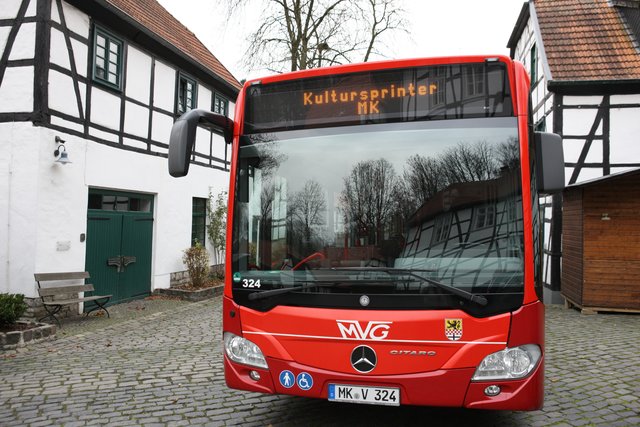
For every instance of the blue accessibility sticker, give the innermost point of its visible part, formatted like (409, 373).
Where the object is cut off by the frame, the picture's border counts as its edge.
(286, 379)
(304, 381)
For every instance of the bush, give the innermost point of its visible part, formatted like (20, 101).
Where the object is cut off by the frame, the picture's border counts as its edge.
(217, 227)
(12, 307)
(196, 259)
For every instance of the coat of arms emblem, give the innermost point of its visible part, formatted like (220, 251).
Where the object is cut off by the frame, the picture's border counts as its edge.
(453, 329)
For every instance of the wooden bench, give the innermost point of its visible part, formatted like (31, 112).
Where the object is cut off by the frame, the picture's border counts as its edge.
(53, 306)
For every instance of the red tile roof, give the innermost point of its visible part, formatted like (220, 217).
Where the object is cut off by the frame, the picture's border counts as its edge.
(154, 17)
(586, 40)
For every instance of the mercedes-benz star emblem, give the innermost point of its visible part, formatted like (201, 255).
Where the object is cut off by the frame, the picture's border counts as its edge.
(363, 359)
(364, 300)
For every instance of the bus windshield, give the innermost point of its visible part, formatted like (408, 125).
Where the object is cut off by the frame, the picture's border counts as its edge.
(371, 215)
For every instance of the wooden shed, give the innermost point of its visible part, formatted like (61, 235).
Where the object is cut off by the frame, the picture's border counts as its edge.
(601, 243)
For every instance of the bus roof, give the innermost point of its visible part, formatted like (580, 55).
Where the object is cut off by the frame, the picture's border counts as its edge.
(378, 65)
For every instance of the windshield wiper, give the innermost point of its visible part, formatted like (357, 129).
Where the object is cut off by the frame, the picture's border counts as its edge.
(317, 283)
(254, 296)
(468, 296)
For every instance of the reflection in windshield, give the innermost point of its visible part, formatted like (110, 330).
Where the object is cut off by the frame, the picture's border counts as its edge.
(442, 197)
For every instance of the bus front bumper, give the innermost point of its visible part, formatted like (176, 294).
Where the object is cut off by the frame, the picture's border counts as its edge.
(452, 388)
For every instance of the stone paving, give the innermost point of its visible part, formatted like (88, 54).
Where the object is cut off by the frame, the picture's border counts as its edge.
(159, 363)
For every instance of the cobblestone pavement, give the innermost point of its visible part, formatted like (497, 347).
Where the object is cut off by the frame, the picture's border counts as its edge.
(160, 363)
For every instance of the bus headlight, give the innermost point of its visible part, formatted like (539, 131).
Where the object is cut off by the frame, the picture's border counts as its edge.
(241, 350)
(510, 363)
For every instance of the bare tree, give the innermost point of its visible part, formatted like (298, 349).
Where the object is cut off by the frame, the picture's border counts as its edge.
(309, 208)
(301, 34)
(382, 16)
(369, 197)
(469, 162)
(479, 161)
(509, 154)
(424, 176)
(306, 218)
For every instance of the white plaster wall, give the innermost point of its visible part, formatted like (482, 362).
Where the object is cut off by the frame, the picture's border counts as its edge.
(624, 129)
(61, 215)
(57, 121)
(161, 128)
(24, 46)
(219, 147)
(138, 74)
(539, 93)
(16, 91)
(172, 224)
(624, 134)
(9, 9)
(4, 35)
(232, 109)
(134, 143)
(624, 99)
(43, 204)
(136, 119)
(579, 121)
(523, 54)
(107, 136)
(203, 138)
(19, 164)
(77, 21)
(581, 100)
(105, 108)
(204, 97)
(59, 54)
(80, 54)
(164, 87)
(62, 95)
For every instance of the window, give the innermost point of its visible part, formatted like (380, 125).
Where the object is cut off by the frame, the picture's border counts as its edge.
(187, 92)
(198, 220)
(475, 80)
(533, 71)
(484, 216)
(107, 59)
(541, 125)
(121, 202)
(436, 89)
(220, 105)
(441, 228)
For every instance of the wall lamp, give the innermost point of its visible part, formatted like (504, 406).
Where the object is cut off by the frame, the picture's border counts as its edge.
(61, 152)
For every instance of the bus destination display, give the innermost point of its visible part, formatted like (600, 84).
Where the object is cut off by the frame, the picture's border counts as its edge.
(425, 93)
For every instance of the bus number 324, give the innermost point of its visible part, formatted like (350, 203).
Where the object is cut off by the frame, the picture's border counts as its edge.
(250, 283)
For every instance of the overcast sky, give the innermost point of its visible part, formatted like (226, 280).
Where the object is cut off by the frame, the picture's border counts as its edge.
(436, 28)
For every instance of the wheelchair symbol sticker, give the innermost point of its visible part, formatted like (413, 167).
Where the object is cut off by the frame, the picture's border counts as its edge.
(286, 379)
(304, 381)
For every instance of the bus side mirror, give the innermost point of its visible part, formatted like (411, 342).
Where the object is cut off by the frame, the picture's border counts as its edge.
(550, 162)
(183, 137)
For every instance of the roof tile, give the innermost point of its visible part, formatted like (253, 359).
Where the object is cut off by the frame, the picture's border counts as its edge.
(586, 40)
(154, 17)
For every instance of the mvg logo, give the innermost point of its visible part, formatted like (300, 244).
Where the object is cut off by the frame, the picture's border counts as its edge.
(375, 330)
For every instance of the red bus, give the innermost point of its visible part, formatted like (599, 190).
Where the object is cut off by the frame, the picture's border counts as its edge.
(384, 234)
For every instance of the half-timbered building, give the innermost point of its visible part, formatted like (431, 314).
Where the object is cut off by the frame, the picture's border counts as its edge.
(584, 62)
(89, 91)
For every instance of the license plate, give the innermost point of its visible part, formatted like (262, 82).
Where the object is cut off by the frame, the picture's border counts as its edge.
(364, 394)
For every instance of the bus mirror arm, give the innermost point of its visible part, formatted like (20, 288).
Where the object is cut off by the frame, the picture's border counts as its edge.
(183, 136)
(550, 162)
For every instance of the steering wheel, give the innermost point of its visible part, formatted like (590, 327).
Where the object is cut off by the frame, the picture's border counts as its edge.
(315, 255)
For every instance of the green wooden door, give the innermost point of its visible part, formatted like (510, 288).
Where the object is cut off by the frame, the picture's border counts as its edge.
(104, 234)
(119, 242)
(135, 279)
